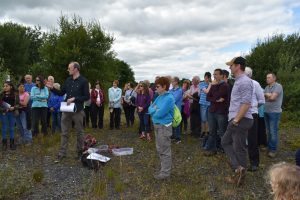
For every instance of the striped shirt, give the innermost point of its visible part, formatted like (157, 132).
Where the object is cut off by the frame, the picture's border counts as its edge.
(202, 100)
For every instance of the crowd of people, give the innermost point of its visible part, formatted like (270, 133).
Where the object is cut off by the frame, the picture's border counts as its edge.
(239, 119)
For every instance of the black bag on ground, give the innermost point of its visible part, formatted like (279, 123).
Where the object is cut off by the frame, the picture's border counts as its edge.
(89, 163)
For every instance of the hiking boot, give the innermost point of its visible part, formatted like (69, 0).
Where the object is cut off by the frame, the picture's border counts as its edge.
(4, 144)
(238, 177)
(12, 144)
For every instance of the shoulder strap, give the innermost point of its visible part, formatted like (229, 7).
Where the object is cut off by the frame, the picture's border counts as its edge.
(131, 92)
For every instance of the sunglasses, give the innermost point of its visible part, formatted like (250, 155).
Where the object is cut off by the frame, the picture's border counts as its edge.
(37, 80)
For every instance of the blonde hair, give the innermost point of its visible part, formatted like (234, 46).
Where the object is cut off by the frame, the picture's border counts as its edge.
(285, 181)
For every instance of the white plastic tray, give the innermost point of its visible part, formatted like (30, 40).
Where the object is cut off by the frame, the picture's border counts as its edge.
(122, 151)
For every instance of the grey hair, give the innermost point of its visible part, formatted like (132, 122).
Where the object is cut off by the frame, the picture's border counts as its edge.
(248, 72)
(196, 78)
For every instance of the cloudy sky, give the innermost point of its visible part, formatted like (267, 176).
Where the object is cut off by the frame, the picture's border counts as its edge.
(169, 37)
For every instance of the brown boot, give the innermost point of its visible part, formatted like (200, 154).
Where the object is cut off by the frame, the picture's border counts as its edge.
(238, 177)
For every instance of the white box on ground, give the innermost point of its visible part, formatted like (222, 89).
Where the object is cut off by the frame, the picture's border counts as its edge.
(122, 151)
(96, 156)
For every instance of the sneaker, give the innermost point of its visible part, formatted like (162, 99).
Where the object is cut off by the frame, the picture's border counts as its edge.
(149, 137)
(177, 141)
(142, 136)
(272, 154)
(161, 176)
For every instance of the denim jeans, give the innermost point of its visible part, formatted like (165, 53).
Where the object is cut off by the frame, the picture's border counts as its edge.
(144, 122)
(217, 127)
(56, 124)
(272, 126)
(8, 121)
(204, 113)
(176, 132)
(21, 122)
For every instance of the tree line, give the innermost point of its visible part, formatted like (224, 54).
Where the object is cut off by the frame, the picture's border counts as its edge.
(30, 50)
(25, 50)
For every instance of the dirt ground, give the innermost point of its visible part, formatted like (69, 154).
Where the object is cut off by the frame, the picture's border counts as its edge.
(30, 172)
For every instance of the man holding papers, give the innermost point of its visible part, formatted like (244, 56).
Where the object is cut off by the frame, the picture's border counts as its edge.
(76, 88)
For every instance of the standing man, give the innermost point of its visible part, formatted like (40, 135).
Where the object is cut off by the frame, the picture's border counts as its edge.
(76, 88)
(218, 111)
(274, 96)
(29, 84)
(240, 121)
(258, 99)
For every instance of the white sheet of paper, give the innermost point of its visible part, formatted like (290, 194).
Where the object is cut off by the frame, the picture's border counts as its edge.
(96, 156)
(67, 108)
(6, 105)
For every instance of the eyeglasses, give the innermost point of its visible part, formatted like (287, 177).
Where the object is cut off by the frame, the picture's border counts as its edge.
(37, 80)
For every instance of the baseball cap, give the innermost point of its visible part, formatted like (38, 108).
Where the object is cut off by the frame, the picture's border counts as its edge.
(237, 60)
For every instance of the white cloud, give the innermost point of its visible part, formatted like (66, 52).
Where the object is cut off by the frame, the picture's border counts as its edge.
(173, 37)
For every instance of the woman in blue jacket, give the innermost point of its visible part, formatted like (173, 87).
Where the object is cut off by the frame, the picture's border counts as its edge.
(39, 96)
(162, 111)
(54, 105)
(114, 97)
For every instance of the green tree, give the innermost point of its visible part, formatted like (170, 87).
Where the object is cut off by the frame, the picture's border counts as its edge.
(279, 54)
(19, 47)
(86, 43)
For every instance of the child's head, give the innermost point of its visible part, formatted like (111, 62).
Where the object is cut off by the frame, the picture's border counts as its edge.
(285, 181)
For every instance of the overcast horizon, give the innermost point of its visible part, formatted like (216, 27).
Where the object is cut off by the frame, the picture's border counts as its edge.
(177, 38)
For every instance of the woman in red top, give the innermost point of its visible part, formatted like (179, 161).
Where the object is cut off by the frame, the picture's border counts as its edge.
(97, 105)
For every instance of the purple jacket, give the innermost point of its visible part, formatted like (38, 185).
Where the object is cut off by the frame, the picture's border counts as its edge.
(144, 101)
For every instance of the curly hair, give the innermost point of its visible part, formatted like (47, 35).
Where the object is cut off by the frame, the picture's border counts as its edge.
(284, 179)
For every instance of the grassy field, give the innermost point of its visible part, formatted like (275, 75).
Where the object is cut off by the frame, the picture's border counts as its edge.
(31, 172)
